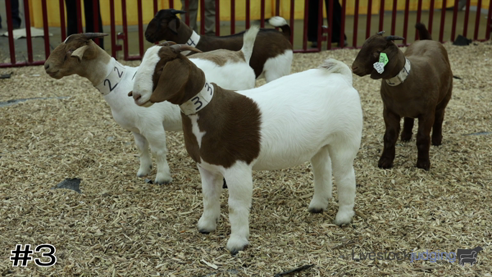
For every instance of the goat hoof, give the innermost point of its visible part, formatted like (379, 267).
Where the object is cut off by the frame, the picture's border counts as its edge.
(163, 182)
(205, 232)
(436, 142)
(316, 210)
(424, 165)
(406, 138)
(385, 164)
(236, 245)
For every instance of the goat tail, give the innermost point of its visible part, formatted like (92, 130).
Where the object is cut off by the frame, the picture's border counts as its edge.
(336, 66)
(249, 42)
(423, 32)
(278, 21)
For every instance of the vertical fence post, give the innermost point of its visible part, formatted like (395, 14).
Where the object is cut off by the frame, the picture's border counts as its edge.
(467, 15)
(330, 23)
(443, 18)
(292, 5)
(356, 22)
(248, 9)
(27, 17)
(233, 17)
(431, 16)
(46, 29)
(140, 29)
(405, 22)
(419, 14)
(368, 21)
(488, 24)
(393, 18)
(381, 16)
(61, 3)
(202, 17)
(455, 17)
(477, 19)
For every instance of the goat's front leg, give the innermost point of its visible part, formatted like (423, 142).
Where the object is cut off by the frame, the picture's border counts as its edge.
(145, 158)
(157, 141)
(423, 140)
(392, 123)
(240, 185)
(406, 134)
(211, 189)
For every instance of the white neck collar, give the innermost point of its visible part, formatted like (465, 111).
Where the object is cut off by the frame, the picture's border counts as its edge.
(115, 74)
(192, 41)
(199, 101)
(400, 77)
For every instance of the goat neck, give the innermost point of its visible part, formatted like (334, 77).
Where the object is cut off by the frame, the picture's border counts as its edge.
(95, 69)
(114, 74)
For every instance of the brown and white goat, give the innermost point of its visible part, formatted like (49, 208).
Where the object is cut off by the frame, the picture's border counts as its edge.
(272, 55)
(78, 54)
(416, 84)
(313, 115)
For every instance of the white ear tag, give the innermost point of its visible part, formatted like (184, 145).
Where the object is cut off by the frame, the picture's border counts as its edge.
(383, 60)
(379, 67)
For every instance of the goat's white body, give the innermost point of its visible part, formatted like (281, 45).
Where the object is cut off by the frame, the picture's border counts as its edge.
(315, 116)
(238, 78)
(278, 66)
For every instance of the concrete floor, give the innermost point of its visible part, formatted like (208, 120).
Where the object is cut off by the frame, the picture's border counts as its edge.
(39, 53)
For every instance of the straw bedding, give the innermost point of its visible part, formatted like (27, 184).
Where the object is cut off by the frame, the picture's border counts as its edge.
(122, 226)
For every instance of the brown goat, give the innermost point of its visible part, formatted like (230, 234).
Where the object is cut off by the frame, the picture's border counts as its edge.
(416, 84)
(272, 53)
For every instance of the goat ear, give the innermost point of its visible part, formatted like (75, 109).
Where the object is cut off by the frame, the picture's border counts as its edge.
(173, 79)
(79, 52)
(174, 25)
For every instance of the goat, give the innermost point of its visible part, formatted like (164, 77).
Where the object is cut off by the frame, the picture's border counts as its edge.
(80, 55)
(272, 57)
(416, 84)
(312, 116)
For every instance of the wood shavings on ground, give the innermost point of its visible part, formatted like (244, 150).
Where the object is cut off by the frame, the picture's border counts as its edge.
(122, 226)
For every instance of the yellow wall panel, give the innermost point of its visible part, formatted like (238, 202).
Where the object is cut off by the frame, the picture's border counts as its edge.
(225, 9)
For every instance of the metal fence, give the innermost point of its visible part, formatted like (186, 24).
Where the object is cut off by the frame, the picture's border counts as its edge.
(444, 22)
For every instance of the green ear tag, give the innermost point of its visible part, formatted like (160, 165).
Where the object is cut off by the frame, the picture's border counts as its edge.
(383, 58)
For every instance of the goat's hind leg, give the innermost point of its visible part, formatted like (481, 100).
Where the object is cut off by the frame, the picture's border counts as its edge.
(342, 158)
(406, 134)
(145, 158)
(211, 189)
(321, 164)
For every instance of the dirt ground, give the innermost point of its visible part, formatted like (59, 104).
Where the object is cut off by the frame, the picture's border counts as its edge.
(119, 225)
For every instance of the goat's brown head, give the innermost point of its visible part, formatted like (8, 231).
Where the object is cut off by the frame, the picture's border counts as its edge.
(164, 26)
(166, 75)
(370, 53)
(65, 59)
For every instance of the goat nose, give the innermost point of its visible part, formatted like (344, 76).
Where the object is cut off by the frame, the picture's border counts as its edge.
(46, 66)
(354, 68)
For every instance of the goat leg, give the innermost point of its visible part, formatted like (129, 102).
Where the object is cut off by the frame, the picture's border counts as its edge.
(437, 128)
(423, 140)
(406, 134)
(392, 123)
